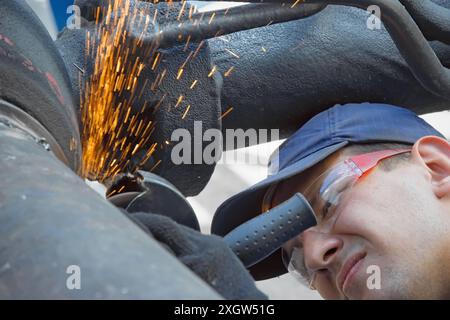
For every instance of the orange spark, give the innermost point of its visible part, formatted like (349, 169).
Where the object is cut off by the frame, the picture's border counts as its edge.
(112, 128)
(193, 84)
(213, 70)
(226, 113)
(228, 72)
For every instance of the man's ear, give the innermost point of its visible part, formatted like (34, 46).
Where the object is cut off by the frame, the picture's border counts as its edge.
(434, 153)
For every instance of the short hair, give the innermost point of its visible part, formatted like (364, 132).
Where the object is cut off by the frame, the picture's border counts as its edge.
(387, 164)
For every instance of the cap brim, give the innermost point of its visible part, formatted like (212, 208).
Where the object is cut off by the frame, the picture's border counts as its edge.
(247, 204)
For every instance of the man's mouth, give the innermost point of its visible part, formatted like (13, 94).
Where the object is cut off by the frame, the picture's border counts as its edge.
(348, 270)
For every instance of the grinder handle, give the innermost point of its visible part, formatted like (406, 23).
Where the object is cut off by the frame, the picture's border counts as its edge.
(259, 237)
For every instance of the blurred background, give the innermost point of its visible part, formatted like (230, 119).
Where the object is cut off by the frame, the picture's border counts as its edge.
(232, 177)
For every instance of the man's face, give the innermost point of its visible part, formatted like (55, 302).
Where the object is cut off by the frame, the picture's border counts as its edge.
(391, 222)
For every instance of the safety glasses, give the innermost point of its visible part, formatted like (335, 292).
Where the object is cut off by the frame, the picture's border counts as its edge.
(324, 195)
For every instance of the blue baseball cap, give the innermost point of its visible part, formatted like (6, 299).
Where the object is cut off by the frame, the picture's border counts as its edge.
(321, 136)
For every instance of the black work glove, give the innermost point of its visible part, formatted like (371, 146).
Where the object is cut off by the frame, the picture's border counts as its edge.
(206, 255)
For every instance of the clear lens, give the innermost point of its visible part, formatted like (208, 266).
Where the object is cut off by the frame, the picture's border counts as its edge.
(294, 263)
(325, 193)
(324, 196)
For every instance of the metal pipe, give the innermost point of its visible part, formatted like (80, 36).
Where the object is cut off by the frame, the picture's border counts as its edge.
(51, 220)
(431, 17)
(407, 36)
(34, 78)
(221, 22)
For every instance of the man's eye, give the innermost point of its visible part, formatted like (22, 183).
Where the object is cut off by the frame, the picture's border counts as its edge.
(326, 209)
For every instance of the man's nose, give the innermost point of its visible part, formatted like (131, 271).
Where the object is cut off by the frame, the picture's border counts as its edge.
(320, 249)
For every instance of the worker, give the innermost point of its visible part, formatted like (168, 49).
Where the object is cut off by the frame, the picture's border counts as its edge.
(378, 179)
